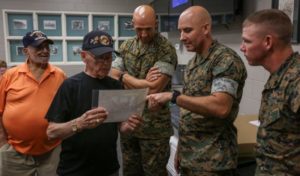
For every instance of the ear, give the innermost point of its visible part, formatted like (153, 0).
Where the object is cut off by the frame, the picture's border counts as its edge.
(268, 41)
(206, 28)
(83, 55)
(25, 51)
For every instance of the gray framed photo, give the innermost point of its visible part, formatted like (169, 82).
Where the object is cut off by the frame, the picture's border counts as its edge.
(77, 25)
(49, 24)
(291, 8)
(19, 24)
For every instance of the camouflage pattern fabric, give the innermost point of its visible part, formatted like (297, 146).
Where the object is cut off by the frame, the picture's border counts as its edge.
(137, 59)
(278, 137)
(209, 144)
(146, 151)
(153, 154)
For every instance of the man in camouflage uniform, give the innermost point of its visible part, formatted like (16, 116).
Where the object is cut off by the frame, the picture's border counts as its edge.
(267, 42)
(146, 151)
(212, 89)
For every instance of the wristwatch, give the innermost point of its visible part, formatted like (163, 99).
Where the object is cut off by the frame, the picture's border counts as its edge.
(75, 128)
(121, 77)
(175, 94)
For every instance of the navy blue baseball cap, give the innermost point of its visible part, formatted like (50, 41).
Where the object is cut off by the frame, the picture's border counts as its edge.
(97, 42)
(35, 38)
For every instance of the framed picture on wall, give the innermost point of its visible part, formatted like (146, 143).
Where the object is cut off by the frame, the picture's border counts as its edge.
(77, 25)
(50, 24)
(291, 8)
(73, 50)
(104, 23)
(19, 24)
(125, 26)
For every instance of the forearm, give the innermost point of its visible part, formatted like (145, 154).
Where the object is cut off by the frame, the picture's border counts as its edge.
(215, 105)
(60, 130)
(131, 82)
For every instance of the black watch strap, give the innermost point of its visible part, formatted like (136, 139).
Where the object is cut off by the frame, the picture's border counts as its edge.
(175, 94)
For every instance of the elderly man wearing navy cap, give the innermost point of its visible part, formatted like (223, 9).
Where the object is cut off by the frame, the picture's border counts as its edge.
(26, 92)
(89, 146)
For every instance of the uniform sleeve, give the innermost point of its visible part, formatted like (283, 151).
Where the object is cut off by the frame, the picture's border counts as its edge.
(118, 64)
(167, 59)
(229, 73)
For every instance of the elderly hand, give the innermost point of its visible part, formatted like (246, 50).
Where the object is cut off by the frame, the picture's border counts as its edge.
(133, 122)
(92, 118)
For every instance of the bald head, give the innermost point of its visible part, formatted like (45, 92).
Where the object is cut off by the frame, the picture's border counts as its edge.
(197, 14)
(144, 13)
(144, 23)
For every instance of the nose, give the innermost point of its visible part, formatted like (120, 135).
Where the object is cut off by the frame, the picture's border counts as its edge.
(144, 33)
(242, 47)
(182, 36)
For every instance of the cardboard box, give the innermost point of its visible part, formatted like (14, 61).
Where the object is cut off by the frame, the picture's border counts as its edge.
(246, 134)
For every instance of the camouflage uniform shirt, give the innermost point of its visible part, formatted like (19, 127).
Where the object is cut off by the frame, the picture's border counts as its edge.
(278, 137)
(209, 144)
(136, 59)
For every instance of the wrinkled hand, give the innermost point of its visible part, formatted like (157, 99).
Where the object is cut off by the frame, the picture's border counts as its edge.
(153, 74)
(156, 101)
(92, 118)
(133, 122)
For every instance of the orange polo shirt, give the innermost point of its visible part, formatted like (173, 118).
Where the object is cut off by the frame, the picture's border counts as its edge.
(24, 102)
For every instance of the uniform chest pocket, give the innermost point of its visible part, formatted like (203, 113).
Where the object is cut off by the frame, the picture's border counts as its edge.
(271, 108)
(198, 82)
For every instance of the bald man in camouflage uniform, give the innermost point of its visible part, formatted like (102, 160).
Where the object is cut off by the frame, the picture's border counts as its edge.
(146, 151)
(267, 42)
(213, 84)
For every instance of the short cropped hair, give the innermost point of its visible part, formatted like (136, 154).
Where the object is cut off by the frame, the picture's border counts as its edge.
(273, 20)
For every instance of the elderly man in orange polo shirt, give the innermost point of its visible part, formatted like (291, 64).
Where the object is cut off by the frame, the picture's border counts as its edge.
(26, 92)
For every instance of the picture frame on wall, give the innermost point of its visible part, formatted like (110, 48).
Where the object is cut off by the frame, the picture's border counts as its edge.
(19, 23)
(73, 50)
(291, 8)
(49, 24)
(125, 26)
(104, 23)
(76, 50)
(77, 25)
